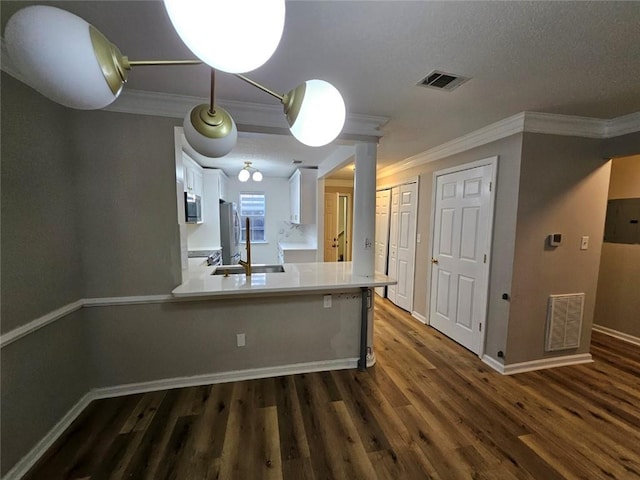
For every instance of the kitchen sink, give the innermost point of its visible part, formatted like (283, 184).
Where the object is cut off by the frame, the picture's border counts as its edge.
(239, 269)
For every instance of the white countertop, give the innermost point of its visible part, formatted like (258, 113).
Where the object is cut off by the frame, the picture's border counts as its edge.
(297, 246)
(297, 277)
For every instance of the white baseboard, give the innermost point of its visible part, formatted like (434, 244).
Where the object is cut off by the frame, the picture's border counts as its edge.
(223, 377)
(493, 363)
(30, 459)
(617, 334)
(418, 316)
(543, 363)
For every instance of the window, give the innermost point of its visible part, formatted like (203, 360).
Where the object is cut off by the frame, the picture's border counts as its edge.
(253, 206)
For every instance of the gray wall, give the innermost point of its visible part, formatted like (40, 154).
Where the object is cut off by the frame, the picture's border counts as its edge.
(563, 188)
(128, 213)
(508, 151)
(140, 343)
(43, 374)
(618, 301)
(41, 269)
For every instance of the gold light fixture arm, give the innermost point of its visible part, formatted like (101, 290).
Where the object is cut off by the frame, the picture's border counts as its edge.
(160, 63)
(292, 101)
(261, 87)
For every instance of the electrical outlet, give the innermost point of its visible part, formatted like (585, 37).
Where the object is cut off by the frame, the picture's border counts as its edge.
(327, 301)
(240, 340)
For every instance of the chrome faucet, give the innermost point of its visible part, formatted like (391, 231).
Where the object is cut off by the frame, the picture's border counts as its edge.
(247, 264)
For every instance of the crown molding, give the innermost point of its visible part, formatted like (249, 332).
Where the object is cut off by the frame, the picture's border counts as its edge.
(502, 129)
(524, 122)
(251, 115)
(622, 125)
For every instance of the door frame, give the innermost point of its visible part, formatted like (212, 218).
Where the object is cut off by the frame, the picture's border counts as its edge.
(489, 161)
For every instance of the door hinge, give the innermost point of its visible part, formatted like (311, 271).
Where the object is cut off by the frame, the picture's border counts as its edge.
(480, 327)
(490, 186)
(485, 258)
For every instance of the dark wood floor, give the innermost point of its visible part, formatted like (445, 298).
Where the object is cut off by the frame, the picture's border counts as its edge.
(428, 409)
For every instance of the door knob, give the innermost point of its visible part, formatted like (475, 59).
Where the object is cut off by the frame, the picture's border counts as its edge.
(434, 261)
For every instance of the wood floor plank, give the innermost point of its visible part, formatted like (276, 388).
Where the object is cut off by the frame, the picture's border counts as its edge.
(429, 409)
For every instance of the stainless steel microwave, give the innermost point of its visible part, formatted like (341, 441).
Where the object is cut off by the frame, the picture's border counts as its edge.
(193, 208)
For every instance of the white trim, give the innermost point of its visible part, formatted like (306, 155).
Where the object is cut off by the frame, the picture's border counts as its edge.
(29, 460)
(565, 125)
(616, 334)
(224, 377)
(389, 186)
(540, 364)
(135, 300)
(493, 363)
(530, 122)
(171, 105)
(38, 323)
(622, 125)
(418, 316)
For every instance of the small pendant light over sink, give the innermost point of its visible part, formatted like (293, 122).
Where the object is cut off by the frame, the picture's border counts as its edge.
(249, 172)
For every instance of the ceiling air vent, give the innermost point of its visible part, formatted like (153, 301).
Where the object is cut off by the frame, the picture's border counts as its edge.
(442, 81)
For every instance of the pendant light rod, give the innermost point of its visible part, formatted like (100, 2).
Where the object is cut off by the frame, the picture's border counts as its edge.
(153, 63)
(257, 85)
(212, 108)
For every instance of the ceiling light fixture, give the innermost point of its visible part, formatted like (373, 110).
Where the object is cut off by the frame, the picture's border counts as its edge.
(249, 172)
(91, 72)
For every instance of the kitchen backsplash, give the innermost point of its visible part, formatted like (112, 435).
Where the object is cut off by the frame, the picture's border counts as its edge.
(296, 233)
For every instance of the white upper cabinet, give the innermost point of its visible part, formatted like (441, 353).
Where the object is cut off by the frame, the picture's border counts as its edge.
(193, 176)
(302, 192)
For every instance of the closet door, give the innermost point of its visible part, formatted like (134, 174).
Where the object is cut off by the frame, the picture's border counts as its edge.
(383, 204)
(393, 242)
(402, 244)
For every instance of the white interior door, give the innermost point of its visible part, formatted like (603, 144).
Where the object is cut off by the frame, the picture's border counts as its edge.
(331, 202)
(383, 204)
(402, 244)
(406, 244)
(392, 270)
(461, 241)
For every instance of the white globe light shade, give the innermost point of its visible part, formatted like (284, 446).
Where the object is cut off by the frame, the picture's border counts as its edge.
(209, 146)
(322, 114)
(52, 48)
(257, 176)
(243, 175)
(234, 36)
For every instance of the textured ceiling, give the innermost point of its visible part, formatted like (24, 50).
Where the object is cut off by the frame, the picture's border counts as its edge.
(575, 58)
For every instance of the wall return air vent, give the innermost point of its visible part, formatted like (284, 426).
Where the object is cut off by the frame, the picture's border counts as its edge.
(442, 81)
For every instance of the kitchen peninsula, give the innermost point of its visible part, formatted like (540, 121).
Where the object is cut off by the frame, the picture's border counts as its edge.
(308, 317)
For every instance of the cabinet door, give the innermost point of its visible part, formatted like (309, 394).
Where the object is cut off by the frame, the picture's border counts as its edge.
(307, 199)
(222, 186)
(294, 197)
(198, 182)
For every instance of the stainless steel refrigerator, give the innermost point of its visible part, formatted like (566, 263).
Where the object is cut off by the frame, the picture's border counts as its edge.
(229, 233)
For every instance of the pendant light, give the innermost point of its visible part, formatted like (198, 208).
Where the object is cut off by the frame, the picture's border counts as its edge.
(209, 129)
(248, 172)
(65, 58)
(315, 110)
(232, 36)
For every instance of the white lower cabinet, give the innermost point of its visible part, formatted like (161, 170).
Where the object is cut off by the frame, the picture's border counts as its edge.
(289, 253)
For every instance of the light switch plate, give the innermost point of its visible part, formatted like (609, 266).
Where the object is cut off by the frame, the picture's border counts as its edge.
(327, 301)
(584, 243)
(241, 340)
